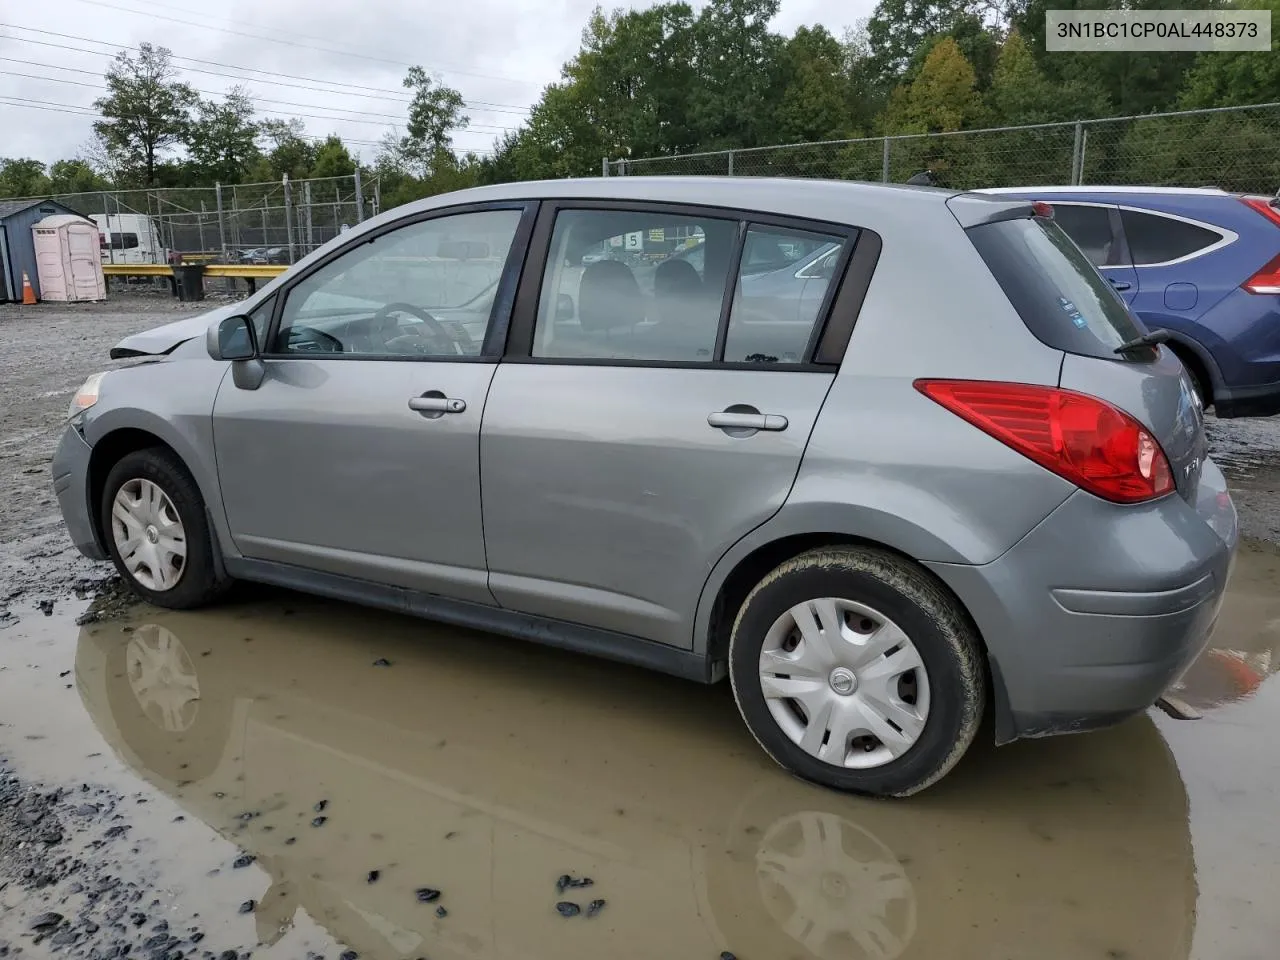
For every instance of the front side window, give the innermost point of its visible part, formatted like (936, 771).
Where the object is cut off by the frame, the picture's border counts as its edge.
(774, 311)
(1154, 239)
(1089, 227)
(633, 285)
(423, 290)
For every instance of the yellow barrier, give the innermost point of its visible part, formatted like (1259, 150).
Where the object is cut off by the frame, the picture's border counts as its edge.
(244, 269)
(137, 270)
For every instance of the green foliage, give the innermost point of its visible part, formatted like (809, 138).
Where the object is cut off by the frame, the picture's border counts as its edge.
(332, 159)
(1235, 79)
(75, 176)
(22, 178)
(222, 139)
(146, 110)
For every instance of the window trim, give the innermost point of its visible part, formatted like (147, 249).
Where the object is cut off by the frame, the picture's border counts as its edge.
(832, 326)
(1226, 237)
(503, 299)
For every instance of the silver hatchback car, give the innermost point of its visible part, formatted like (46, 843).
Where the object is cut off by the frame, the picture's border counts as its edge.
(940, 476)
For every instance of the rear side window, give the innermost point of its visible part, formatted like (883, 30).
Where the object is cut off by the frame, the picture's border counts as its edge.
(1089, 227)
(1061, 298)
(1154, 239)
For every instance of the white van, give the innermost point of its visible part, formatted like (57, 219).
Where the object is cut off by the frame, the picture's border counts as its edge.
(130, 238)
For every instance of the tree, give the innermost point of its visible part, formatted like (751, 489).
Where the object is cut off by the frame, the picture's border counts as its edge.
(332, 159)
(899, 28)
(434, 113)
(75, 176)
(146, 110)
(1234, 79)
(816, 98)
(942, 97)
(738, 84)
(22, 177)
(287, 151)
(222, 140)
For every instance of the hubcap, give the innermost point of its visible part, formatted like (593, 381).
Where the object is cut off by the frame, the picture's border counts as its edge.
(149, 535)
(844, 683)
(163, 678)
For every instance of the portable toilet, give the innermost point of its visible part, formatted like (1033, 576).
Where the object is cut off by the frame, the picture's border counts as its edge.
(69, 258)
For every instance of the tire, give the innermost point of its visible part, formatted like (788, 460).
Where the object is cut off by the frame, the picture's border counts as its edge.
(890, 613)
(195, 582)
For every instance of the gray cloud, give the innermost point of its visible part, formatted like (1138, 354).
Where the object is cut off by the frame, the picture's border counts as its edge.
(494, 51)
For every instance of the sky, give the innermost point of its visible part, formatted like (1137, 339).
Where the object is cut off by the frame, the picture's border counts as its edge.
(335, 63)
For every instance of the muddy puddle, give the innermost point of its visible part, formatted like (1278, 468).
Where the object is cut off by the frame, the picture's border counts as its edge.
(356, 764)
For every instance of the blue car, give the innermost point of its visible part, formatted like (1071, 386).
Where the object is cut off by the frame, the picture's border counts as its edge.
(1201, 264)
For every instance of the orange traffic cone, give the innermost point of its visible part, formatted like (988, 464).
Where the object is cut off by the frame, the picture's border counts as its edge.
(28, 292)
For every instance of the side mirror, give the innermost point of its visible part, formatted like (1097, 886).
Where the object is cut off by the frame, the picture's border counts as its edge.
(564, 308)
(233, 339)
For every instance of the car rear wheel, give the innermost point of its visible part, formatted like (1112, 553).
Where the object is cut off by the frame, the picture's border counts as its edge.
(157, 531)
(855, 669)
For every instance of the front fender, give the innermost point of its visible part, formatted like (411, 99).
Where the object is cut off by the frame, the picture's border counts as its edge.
(173, 401)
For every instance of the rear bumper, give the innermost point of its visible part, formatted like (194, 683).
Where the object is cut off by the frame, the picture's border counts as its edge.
(71, 484)
(1095, 613)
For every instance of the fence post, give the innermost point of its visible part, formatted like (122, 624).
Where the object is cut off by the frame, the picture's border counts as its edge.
(222, 225)
(306, 200)
(359, 197)
(265, 242)
(604, 166)
(204, 210)
(884, 163)
(288, 215)
(106, 225)
(377, 195)
(1084, 148)
(1075, 154)
(731, 163)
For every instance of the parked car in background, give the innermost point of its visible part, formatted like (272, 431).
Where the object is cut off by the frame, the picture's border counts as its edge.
(1202, 264)
(941, 473)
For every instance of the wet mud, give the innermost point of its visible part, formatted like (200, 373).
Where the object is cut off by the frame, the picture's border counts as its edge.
(248, 779)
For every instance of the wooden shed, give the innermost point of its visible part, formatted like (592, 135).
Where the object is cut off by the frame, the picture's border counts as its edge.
(17, 243)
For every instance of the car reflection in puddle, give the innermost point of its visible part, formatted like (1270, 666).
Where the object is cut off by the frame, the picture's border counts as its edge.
(486, 769)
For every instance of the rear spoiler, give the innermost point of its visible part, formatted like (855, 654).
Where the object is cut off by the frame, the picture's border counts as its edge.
(975, 209)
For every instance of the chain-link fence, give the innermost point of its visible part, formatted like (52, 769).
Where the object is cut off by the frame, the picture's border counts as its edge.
(1236, 148)
(277, 222)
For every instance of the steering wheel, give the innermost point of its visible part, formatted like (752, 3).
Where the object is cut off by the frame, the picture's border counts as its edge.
(434, 325)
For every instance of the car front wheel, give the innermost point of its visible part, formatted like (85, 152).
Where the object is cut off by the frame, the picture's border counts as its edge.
(855, 669)
(157, 531)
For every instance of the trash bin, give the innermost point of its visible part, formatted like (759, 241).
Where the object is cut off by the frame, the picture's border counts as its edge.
(190, 279)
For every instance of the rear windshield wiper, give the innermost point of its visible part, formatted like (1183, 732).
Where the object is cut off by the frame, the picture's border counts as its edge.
(1146, 340)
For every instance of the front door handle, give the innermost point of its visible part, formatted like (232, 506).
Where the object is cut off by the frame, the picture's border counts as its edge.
(435, 402)
(729, 420)
(1121, 284)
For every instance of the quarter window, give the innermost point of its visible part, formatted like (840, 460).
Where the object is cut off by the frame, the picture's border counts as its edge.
(1089, 227)
(1155, 239)
(774, 310)
(424, 290)
(631, 285)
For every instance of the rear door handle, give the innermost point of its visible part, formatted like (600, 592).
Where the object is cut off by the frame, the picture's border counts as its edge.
(1121, 284)
(747, 421)
(437, 404)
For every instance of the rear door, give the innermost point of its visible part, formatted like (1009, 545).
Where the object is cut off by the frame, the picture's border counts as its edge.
(647, 415)
(1095, 228)
(1165, 251)
(1067, 305)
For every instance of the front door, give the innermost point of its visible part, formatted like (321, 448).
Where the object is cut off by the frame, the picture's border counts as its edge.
(359, 453)
(654, 412)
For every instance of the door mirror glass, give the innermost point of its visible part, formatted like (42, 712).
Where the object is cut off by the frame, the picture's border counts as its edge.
(236, 339)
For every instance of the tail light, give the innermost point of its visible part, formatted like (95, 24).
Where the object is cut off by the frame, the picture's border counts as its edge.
(1266, 280)
(1082, 439)
(1263, 206)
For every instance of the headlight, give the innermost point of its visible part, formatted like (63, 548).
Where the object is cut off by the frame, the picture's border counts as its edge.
(86, 396)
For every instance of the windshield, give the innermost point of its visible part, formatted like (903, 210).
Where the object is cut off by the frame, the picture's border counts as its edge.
(1058, 293)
